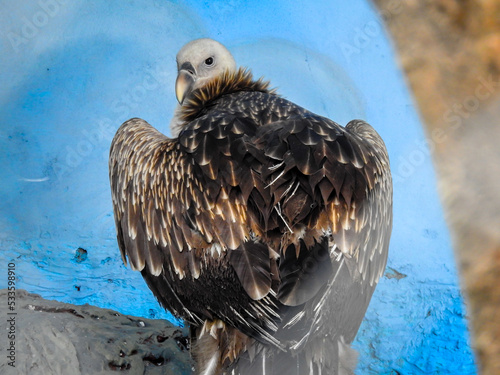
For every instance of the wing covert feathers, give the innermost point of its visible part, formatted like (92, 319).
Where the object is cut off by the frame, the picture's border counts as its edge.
(247, 214)
(251, 263)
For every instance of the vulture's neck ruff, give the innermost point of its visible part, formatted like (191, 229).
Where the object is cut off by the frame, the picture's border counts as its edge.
(227, 83)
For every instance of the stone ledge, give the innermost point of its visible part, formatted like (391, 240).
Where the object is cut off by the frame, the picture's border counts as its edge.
(58, 338)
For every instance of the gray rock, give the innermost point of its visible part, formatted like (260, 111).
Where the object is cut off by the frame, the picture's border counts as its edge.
(58, 338)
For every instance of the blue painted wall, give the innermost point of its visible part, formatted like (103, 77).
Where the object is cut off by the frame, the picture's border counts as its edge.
(71, 72)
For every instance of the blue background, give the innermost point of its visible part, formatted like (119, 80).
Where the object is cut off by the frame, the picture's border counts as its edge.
(71, 72)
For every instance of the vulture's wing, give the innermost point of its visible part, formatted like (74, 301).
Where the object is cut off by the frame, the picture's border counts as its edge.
(330, 181)
(331, 195)
(179, 212)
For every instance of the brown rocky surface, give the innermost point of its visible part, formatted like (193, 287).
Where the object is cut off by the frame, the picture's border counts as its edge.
(450, 52)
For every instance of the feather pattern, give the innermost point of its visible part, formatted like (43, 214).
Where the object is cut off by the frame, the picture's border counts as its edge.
(261, 223)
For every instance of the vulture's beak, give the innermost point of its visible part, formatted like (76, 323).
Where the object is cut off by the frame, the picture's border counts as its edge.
(185, 81)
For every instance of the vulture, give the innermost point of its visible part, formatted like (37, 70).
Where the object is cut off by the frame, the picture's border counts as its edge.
(264, 226)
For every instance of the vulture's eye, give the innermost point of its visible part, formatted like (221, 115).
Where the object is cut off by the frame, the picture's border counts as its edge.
(209, 61)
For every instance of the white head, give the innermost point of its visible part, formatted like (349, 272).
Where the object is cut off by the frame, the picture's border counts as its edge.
(198, 62)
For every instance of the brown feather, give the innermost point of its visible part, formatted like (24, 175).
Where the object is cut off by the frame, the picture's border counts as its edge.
(252, 264)
(229, 82)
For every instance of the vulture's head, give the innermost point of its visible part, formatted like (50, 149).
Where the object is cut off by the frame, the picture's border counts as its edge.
(198, 62)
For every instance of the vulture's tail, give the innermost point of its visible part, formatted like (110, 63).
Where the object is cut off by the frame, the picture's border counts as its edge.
(327, 358)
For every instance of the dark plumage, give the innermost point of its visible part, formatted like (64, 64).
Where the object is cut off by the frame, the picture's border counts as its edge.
(264, 226)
